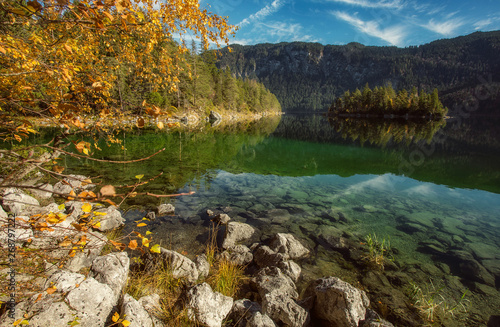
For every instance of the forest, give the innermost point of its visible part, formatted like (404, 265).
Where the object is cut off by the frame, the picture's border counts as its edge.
(307, 76)
(385, 100)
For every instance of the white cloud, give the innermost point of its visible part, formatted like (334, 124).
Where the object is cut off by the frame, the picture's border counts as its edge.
(482, 23)
(266, 11)
(393, 35)
(395, 4)
(276, 31)
(446, 28)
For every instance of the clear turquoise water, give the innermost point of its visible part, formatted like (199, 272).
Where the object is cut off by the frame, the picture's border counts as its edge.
(433, 187)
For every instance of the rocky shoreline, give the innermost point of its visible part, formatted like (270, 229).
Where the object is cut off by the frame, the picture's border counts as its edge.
(89, 285)
(92, 299)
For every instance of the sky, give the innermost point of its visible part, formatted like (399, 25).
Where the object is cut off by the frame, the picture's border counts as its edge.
(398, 23)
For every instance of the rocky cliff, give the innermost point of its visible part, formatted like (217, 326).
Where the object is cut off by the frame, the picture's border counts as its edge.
(307, 76)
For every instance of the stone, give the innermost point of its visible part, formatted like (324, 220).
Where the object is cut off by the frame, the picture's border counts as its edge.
(135, 313)
(20, 204)
(93, 300)
(82, 259)
(237, 232)
(3, 214)
(281, 307)
(76, 183)
(288, 245)
(238, 254)
(165, 209)
(373, 319)
(43, 191)
(75, 295)
(475, 271)
(221, 219)
(338, 302)
(206, 306)
(291, 269)
(265, 257)
(272, 279)
(111, 220)
(242, 311)
(260, 320)
(151, 303)
(202, 265)
(278, 216)
(111, 269)
(181, 266)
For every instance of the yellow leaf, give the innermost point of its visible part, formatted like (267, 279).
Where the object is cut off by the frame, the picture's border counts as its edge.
(2, 50)
(61, 207)
(148, 232)
(139, 176)
(126, 323)
(145, 242)
(160, 125)
(140, 123)
(155, 248)
(97, 213)
(115, 317)
(87, 207)
(97, 225)
(141, 225)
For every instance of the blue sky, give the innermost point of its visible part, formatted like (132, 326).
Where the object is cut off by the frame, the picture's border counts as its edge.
(371, 22)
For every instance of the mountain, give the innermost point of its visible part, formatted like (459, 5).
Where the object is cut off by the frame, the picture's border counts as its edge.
(308, 76)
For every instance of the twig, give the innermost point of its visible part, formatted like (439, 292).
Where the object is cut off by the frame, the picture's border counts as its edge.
(102, 160)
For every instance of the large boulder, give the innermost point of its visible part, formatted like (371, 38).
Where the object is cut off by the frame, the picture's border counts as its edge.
(202, 265)
(109, 218)
(281, 307)
(264, 256)
(73, 297)
(288, 245)
(181, 266)
(272, 279)
(151, 304)
(135, 313)
(238, 254)
(337, 302)
(237, 232)
(19, 203)
(207, 307)
(76, 183)
(111, 269)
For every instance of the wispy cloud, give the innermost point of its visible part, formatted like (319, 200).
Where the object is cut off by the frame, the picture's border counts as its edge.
(395, 4)
(266, 11)
(482, 23)
(446, 28)
(276, 31)
(393, 35)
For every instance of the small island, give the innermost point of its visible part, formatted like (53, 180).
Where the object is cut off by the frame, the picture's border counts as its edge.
(384, 101)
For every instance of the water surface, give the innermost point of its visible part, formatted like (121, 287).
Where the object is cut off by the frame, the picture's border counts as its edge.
(432, 189)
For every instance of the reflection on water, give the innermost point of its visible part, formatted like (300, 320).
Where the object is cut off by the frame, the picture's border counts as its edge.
(383, 131)
(321, 180)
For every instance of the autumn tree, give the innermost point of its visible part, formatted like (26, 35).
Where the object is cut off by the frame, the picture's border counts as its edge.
(70, 61)
(61, 58)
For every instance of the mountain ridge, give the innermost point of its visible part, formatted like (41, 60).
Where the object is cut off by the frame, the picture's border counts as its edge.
(307, 76)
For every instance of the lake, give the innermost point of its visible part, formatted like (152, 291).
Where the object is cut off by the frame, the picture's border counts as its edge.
(429, 189)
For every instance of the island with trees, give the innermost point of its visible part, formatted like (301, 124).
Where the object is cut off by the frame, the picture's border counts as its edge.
(386, 102)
